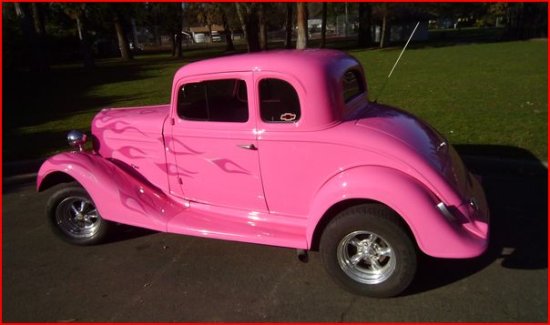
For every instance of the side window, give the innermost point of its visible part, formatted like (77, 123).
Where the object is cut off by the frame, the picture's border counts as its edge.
(223, 100)
(353, 85)
(278, 101)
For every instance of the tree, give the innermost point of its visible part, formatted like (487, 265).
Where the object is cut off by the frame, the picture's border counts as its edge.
(324, 25)
(364, 37)
(242, 20)
(385, 30)
(288, 25)
(224, 9)
(40, 29)
(32, 26)
(168, 18)
(301, 23)
(262, 25)
(123, 45)
(77, 12)
(522, 20)
(248, 15)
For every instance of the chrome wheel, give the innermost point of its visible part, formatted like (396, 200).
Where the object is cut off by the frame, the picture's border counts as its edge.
(367, 250)
(366, 257)
(77, 217)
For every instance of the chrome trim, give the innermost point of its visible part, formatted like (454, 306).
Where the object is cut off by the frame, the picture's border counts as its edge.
(441, 145)
(473, 204)
(76, 139)
(446, 213)
(366, 257)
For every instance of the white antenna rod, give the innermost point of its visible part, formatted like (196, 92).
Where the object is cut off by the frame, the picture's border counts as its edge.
(397, 61)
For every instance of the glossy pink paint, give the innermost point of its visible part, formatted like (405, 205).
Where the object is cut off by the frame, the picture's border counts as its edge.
(155, 170)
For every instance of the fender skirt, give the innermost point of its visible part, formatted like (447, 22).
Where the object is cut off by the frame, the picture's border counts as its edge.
(435, 235)
(118, 195)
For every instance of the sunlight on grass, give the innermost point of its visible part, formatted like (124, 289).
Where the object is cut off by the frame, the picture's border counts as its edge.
(474, 94)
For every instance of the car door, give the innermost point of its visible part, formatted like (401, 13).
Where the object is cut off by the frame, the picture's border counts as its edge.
(214, 143)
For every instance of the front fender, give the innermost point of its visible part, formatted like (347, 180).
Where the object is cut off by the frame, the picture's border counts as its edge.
(118, 195)
(434, 234)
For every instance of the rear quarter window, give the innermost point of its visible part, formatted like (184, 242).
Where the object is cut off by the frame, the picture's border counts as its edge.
(352, 84)
(279, 101)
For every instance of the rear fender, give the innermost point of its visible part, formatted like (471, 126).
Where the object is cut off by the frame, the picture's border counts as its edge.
(417, 206)
(118, 195)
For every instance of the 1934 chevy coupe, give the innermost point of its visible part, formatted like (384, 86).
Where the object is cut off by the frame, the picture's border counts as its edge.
(279, 148)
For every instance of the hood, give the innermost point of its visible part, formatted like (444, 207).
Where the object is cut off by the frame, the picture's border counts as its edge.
(148, 119)
(419, 136)
(133, 138)
(128, 129)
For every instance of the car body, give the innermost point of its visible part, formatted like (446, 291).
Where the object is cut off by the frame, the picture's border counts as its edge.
(279, 148)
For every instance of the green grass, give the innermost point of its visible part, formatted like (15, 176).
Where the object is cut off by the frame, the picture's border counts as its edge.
(492, 94)
(478, 94)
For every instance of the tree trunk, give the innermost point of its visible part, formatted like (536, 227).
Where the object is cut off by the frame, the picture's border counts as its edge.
(177, 45)
(262, 26)
(288, 24)
(173, 41)
(364, 37)
(38, 19)
(24, 14)
(301, 23)
(210, 38)
(85, 47)
(238, 8)
(384, 31)
(179, 35)
(230, 47)
(156, 35)
(42, 37)
(252, 30)
(324, 26)
(252, 33)
(346, 23)
(125, 53)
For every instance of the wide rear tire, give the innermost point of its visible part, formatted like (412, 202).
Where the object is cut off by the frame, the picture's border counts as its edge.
(367, 250)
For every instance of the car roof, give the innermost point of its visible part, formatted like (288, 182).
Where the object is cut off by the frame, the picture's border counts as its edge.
(319, 72)
(283, 61)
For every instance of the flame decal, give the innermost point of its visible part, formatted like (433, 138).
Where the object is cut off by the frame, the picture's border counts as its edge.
(229, 166)
(133, 152)
(189, 150)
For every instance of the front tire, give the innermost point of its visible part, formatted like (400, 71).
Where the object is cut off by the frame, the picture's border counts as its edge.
(366, 250)
(74, 217)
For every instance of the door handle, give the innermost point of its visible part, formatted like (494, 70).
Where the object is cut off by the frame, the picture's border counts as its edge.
(247, 146)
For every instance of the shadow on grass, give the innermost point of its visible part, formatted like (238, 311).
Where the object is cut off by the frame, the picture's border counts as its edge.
(31, 100)
(518, 229)
(33, 144)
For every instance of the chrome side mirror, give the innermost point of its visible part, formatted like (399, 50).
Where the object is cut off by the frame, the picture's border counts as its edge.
(76, 139)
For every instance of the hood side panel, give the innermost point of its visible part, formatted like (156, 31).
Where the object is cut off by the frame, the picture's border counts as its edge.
(132, 138)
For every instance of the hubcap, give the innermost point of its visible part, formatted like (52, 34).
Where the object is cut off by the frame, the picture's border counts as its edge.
(77, 217)
(366, 257)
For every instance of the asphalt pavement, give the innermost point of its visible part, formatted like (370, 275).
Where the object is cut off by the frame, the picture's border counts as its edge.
(143, 276)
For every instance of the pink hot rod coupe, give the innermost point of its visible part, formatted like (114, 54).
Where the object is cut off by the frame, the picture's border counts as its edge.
(278, 148)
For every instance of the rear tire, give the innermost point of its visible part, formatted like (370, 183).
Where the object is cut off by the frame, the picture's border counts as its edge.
(73, 216)
(366, 250)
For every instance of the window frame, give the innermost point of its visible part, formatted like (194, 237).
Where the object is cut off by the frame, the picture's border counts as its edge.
(260, 102)
(247, 77)
(361, 82)
(300, 91)
(235, 87)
